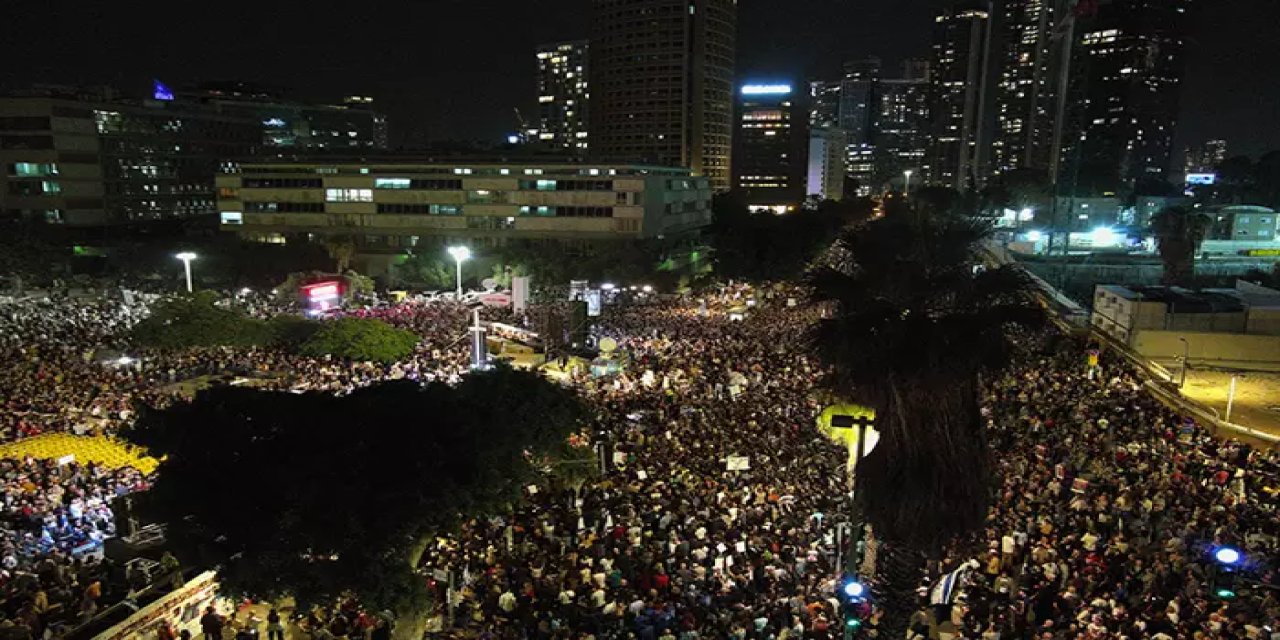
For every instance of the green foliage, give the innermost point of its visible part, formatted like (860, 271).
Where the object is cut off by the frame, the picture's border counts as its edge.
(764, 246)
(290, 332)
(428, 270)
(314, 495)
(362, 339)
(195, 320)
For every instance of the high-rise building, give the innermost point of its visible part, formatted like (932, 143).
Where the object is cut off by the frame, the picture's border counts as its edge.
(1125, 75)
(826, 164)
(857, 99)
(902, 127)
(1205, 158)
(563, 95)
(661, 78)
(957, 73)
(824, 104)
(1026, 90)
(771, 147)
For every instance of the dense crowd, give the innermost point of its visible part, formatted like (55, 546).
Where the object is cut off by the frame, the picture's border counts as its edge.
(1109, 505)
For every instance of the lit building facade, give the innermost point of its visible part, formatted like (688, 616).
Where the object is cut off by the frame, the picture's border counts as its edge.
(957, 75)
(902, 131)
(388, 206)
(1026, 91)
(771, 147)
(1126, 75)
(563, 95)
(826, 164)
(824, 104)
(95, 162)
(662, 79)
(1204, 158)
(296, 125)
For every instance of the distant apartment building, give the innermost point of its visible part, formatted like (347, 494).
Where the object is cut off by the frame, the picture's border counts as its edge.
(826, 164)
(902, 126)
(662, 84)
(771, 147)
(93, 159)
(386, 206)
(563, 95)
(1026, 90)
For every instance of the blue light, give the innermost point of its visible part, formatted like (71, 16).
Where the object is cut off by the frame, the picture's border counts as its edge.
(1227, 555)
(513, 139)
(766, 89)
(161, 92)
(273, 122)
(854, 589)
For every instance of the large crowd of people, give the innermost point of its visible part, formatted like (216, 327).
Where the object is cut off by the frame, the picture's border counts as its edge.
(717, 513)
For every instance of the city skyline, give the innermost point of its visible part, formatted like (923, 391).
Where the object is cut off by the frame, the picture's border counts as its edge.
(453, 85)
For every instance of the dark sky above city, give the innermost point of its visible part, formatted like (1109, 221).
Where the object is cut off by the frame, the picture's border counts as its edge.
(456, 68)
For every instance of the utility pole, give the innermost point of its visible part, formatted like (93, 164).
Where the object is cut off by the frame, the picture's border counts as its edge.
(856, 542)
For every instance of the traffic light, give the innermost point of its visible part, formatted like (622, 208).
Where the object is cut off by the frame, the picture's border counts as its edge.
(852, 594)
(1226, 570)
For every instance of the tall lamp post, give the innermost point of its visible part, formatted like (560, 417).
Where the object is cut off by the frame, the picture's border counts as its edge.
(1186, 355)
(906, 189)
(186, 257)
(460, 254)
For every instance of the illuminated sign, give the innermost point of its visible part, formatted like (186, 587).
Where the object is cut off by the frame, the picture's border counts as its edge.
(323, 291)
(766, 89)
(1202, 178)
(160, 92)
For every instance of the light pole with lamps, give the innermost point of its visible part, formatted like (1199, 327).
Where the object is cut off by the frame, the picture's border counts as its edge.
(906, 189)
(186, 257)
(460, 254)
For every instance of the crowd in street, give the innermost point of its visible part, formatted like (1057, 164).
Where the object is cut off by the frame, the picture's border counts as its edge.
(716, 514)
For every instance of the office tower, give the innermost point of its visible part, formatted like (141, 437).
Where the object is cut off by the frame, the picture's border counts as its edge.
(857, 99)
(826, 164)
(957, 72)
(915, 69)
(824, 104)
(902, 125)
(563, 95)
(1026, 90)
(1205, 158)
(771, 147)
(661, 78)
(1126, 73)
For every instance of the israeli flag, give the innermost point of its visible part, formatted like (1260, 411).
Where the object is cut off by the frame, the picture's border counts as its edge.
(944, 592)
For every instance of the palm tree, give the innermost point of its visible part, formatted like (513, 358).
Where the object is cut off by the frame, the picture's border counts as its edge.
(1179, 232)
(913, 326)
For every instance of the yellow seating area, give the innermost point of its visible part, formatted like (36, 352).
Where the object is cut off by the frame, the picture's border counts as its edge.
(98, 449)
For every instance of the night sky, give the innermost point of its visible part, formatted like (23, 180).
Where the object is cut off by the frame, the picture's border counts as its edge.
(453, 69)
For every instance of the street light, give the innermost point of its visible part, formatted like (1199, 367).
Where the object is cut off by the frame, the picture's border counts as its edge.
(1186, 355)
(186, 257)
(460, 254)
(906, 190)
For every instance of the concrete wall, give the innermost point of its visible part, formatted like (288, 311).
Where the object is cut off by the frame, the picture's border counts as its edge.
(1231, 351)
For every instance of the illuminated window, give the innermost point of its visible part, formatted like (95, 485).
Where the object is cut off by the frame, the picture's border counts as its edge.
(348, 195)
(232, 217)
(33, 169)
(392, 183)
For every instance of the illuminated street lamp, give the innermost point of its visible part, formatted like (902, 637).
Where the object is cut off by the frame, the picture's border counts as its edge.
(460, 254)
(906, 190)
(186, 257)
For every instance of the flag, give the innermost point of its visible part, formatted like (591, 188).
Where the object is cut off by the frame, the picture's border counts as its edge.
(944, 593)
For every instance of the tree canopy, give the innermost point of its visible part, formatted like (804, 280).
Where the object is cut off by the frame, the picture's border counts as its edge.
(364, 339)
(1178, 232)
(914, 326)
(314, 495)
(196, 320)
